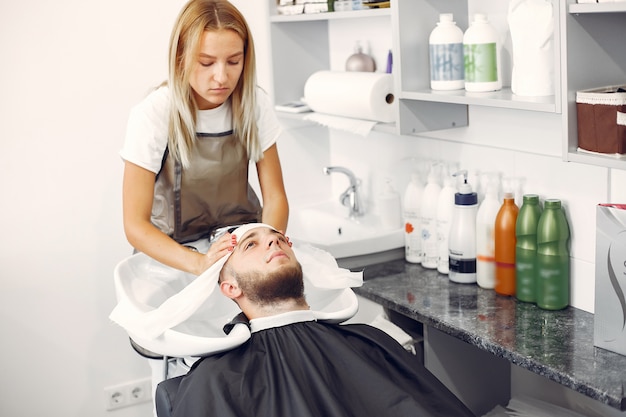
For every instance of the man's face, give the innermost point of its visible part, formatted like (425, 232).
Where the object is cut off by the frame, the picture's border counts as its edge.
(265, 266)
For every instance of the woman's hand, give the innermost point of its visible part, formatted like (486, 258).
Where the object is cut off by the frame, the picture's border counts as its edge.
(218, 249)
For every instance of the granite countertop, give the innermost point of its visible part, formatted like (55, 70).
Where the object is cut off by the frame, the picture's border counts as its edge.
(555, 344)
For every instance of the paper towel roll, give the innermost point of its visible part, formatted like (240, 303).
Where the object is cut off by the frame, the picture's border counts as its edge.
(361, 95)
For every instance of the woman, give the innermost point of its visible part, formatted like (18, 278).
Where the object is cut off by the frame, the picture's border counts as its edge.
(188, 144)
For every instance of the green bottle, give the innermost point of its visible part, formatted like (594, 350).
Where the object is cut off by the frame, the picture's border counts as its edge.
(553, 284)
(526, 248)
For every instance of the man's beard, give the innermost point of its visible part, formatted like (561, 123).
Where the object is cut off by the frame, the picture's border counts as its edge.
(283, 284)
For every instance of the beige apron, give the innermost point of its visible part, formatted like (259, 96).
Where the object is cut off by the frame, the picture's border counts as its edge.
(213, 192)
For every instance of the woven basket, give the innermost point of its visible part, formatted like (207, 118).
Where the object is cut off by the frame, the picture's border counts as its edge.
(602, 119)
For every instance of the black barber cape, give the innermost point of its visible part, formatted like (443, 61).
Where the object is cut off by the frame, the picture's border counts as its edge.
(313, 369)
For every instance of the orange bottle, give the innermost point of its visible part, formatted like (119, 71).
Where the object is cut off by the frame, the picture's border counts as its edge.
(504, 234)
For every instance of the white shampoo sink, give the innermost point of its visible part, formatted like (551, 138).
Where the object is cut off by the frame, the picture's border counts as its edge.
(354, 242)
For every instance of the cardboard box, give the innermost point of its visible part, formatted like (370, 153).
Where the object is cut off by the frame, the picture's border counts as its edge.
(610, 298)
(601, 120)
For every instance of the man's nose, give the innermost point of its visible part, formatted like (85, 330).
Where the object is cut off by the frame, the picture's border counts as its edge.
(272, 240)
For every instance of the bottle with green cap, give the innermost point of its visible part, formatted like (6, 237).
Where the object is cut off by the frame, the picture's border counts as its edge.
(553, 281)
(526, 248)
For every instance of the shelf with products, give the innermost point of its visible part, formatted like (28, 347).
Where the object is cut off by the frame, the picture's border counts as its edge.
(306, 43)
(594, 56)
(414, 20)
(354, 14)
(501, 98)
(301, 45)
(588, 53)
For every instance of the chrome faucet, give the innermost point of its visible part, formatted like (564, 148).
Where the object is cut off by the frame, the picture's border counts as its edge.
(350, 198)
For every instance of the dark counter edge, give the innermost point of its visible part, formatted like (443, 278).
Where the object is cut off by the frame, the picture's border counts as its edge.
(497, 350)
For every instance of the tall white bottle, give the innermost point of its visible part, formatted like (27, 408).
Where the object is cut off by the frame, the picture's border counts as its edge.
(462, 241)
(447, 69)
(411, 214)
(481, 50)
(430, 198)
(485, 238)
(531, 23)
(445, 205)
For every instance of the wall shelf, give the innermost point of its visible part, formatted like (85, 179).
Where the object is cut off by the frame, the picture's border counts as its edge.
(619, 7)
(356, 14)
(589, 53)
(503, 99)
(593, 56)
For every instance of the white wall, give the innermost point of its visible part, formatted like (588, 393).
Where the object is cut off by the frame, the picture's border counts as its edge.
(71, 69)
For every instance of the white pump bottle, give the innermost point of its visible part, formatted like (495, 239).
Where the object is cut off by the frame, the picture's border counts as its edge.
(462, 242)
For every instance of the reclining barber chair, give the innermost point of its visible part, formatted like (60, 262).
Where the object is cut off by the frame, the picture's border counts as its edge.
(143, 284)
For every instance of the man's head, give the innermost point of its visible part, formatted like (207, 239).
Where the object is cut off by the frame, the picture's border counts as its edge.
(263, 275)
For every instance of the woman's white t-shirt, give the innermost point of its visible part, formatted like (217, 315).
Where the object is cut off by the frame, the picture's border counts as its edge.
(147, 129)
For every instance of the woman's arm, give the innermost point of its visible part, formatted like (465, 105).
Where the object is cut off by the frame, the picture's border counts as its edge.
(275, 204)
(137, 197)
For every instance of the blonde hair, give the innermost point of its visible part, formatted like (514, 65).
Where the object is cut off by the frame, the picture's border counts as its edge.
(196, 17)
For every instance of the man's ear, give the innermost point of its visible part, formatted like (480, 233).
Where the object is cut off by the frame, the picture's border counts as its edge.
(230, 289)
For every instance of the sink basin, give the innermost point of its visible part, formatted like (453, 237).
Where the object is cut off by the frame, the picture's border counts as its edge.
(354, 242)
(143, 285)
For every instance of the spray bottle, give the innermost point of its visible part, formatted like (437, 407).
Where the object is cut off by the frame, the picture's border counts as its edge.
(428, 228)
(411, 214)
(462, 242)
(445, 205)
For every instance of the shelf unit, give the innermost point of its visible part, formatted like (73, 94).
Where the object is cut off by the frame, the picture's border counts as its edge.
(303, 41)
(594, 56)
(355, 14)
(417, 100)
(588, 45)
(618, 7)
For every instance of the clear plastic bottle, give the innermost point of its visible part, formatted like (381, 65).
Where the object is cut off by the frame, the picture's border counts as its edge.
(462, 242)
(389, 207)
(445, 205)
(485, 237)
(430, 198)
(481, 50)
(505, 245)
(447, 69)
(553, 257)
(411, 214)
(526, 248)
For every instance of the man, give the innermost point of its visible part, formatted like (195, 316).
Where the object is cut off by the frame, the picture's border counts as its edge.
(293, 366)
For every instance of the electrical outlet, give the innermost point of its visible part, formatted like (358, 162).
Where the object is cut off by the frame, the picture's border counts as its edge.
(128, 393)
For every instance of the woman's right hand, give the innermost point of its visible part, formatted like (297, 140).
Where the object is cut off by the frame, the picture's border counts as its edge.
(218, 249)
